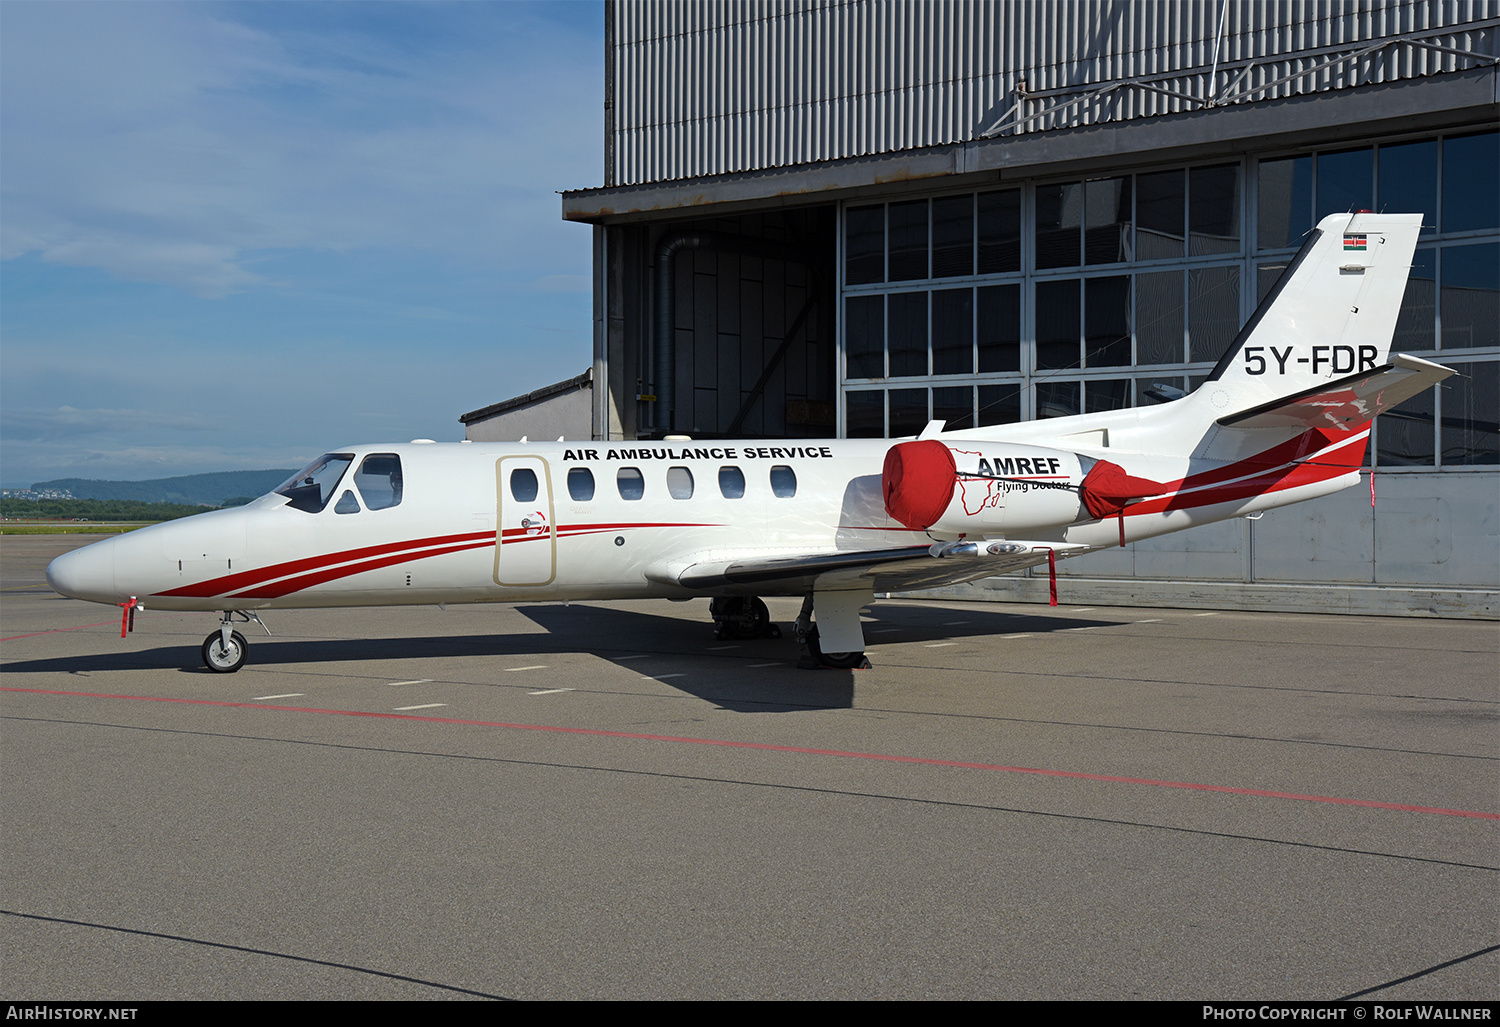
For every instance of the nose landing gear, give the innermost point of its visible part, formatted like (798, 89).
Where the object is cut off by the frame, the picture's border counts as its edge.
(225, 650)
(224, 657)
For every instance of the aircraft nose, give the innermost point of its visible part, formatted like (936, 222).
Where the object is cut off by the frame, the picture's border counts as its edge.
(87, 573)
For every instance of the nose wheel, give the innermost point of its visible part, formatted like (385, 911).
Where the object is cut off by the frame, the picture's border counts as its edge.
(224, 656)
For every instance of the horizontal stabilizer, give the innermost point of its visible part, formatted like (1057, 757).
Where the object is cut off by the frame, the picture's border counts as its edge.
(1347, 403)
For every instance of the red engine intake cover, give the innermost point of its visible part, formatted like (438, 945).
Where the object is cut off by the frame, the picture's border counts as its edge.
(918, 482)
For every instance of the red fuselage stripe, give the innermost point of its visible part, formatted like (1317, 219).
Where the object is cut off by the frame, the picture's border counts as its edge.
(231, 582)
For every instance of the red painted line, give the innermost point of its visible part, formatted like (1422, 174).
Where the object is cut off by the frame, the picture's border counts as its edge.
(155, 614)
(54, 631)
(803, 750)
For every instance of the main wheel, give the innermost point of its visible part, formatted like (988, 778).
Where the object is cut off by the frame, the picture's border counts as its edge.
(742, 616)
(838, 661)
(224, 661)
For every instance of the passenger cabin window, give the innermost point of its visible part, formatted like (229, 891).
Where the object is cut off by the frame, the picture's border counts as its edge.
(379, 481)
(310, 489)
(523, 484)
(581, 484)
(732, 482)
(680, 482)
(783, 481)
(347, 503)
(630, 483)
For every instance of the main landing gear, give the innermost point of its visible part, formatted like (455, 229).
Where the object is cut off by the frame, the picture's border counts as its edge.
(746, 617)
(807, 635)
(225, 650)
(741, 617)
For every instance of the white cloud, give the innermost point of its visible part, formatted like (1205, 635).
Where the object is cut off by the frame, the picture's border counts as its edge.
(171, 143)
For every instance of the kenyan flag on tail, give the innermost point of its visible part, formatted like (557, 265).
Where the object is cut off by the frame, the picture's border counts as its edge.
(1354, 242)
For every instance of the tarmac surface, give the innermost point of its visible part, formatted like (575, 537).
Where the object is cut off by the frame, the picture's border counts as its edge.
(601, 801)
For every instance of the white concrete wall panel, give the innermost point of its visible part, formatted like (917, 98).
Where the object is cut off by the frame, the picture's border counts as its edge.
(708, 87)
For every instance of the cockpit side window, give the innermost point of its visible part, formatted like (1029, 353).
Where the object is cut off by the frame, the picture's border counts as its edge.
(310, 488)
(379, 480)
(347, 503)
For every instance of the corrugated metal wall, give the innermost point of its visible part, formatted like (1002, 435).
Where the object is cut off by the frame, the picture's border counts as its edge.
(706, 87)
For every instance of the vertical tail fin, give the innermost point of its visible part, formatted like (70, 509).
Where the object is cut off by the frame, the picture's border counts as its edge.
(1332, 314)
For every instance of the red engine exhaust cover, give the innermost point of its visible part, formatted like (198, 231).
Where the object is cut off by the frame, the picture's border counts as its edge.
(918, 482)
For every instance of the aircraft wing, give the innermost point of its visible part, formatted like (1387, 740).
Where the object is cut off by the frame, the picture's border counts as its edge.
(787, 572)
(1347, 402)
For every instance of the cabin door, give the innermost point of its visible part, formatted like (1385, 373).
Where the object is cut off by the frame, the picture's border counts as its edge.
(526, 532)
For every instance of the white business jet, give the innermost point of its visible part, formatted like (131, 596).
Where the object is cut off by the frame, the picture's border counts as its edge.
(1284, 417)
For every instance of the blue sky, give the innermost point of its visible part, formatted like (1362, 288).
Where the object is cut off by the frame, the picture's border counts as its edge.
(237, 235)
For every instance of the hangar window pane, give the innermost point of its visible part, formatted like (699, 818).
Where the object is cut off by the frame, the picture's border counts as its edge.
(1416, 326)
(523, 484)
(1059, 216)
(1107, 219)
(1346, 182)
(1266, 277)
(679, 483)
(864, 245)
(908, 412)
(1000, 328)
(864, 415)
(953, 236)
(1284, 202)
(1471, 295)
(1470, 199)
(1214, 210)
(1159, 203)
(1158, 333)
(907, 338)
(1106, 321)
(999, 404)
(954, 407)
(1000, 232)
(379, 480)
(1057, 328)
(1107, 393)
(1471, 408)
(1404, 436)
(953, 331)
(631, 483)
(731, 483)
(1408, 181)
(580, 484)
(783, 481)
(864, 336)
(908, 259)
(1213, 311)
(1058, 399)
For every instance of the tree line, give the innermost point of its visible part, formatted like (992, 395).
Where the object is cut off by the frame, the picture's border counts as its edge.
(99, 509)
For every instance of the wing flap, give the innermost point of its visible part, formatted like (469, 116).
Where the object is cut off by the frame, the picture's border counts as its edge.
(773, 572)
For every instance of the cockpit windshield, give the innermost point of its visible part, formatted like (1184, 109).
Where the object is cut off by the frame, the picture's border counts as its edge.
(311, 488)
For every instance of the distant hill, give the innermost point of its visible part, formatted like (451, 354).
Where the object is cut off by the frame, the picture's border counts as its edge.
(206, 489)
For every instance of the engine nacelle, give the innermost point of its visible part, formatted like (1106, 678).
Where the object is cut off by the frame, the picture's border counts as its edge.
(980, 488)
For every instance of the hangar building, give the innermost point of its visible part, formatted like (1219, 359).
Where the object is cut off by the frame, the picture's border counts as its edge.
(838, 217)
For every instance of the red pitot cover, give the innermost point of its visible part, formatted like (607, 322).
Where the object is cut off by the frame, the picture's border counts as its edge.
(918, 482)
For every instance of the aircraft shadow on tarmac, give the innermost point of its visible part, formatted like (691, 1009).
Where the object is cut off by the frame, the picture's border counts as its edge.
(613, 633)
